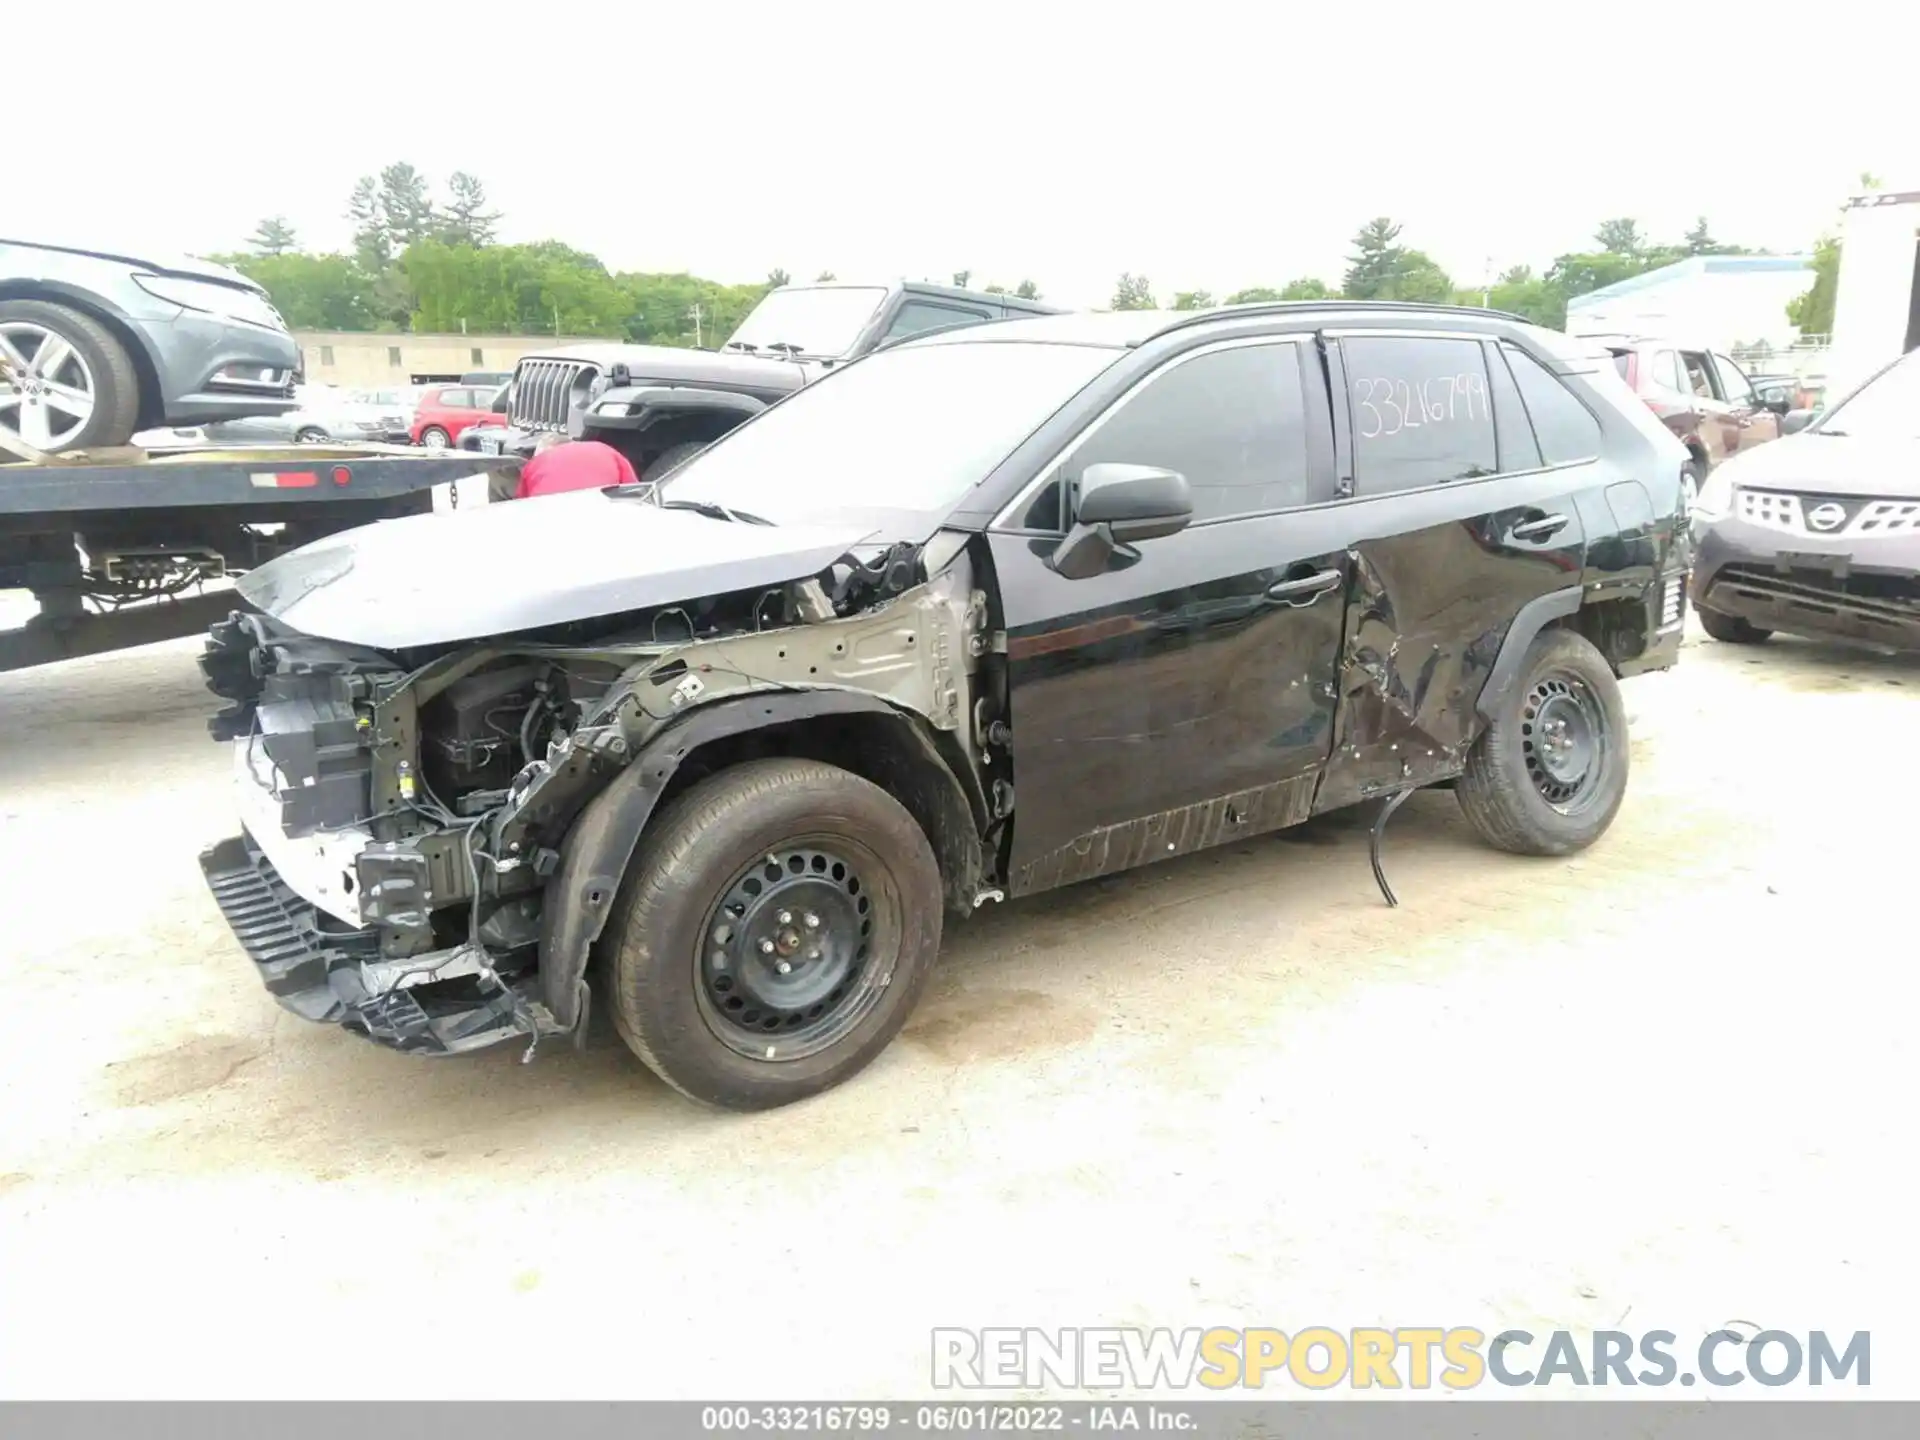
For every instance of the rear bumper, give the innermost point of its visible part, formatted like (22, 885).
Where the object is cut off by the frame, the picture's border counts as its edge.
(325, 971)
(1865, 591)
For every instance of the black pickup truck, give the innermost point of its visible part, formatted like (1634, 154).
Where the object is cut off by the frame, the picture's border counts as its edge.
(659, 404)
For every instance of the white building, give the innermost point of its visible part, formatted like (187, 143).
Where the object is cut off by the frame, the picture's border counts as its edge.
(1719, 301)
(1876, 312)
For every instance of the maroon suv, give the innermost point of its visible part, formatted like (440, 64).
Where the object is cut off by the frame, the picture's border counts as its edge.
(1703, 397)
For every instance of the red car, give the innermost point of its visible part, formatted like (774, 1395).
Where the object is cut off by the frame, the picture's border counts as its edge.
(445, 410)
(1703, 397)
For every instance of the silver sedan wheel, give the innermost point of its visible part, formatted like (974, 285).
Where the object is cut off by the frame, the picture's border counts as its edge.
(46, 389)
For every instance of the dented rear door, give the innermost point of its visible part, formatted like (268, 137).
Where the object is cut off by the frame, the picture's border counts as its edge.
(1456, 521)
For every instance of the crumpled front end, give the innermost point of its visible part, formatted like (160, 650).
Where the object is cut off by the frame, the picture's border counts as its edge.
(352, 898)
(324, 971)
(404, 811)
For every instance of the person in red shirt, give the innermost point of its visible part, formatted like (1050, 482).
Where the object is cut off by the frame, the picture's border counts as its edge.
(559, 464)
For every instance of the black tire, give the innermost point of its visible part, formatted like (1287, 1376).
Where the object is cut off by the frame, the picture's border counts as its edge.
(1730, 629)
(1510, 793)
(668, 925)
(672, 458)
(116, 384)
(1694, 472)
(445, 442)
(310, 435)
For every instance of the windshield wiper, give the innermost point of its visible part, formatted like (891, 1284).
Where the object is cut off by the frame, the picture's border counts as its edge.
(713, 510)
(747, 346)
(784, 347)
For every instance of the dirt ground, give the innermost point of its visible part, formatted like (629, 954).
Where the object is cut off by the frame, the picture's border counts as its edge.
(1665, 1084)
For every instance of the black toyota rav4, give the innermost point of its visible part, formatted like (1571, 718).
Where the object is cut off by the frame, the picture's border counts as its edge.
(984, 613)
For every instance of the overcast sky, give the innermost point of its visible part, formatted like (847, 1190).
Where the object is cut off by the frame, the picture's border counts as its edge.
(1206, 146)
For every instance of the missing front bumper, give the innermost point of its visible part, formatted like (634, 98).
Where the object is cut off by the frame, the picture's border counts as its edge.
(324, 971)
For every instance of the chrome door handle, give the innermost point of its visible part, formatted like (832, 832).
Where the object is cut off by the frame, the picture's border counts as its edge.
(1305, 588)
(1539, 529)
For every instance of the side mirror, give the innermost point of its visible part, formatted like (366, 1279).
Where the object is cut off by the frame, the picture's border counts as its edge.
(1120, 505)
(1776, 398)
(1794, 421)
(499, 406)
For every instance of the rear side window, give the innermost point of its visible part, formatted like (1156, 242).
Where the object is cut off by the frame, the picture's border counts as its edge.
(1565, 428)
(1623, 362)
(1232, 421)
(1421, 412)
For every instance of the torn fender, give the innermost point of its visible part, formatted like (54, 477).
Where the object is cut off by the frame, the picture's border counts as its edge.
(600, 846)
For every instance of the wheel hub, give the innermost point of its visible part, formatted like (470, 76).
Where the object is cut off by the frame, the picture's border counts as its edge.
(1563, 739)
(46, 389)
(786, 965)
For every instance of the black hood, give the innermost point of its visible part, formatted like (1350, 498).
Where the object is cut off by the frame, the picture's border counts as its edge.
(465, 575)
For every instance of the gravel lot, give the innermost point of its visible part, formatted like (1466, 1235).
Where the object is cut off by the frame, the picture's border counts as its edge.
(1658, 1085)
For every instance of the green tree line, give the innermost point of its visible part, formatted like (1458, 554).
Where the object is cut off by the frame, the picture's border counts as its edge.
(1379, 267)
(431, 264)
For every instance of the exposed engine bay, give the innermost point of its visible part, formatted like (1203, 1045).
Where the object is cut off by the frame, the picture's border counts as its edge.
(407, 811)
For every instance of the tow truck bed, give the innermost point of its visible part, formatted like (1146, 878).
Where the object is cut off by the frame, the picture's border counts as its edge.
(139, 516)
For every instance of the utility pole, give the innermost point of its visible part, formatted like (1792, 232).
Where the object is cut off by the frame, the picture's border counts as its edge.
(1486, 286)
(556, 317)
(694, 315)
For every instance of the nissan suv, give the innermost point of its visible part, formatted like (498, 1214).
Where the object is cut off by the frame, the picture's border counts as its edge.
(988, 612)
(98, 344)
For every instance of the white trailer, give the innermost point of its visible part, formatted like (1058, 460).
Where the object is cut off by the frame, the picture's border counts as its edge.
(1876, 311)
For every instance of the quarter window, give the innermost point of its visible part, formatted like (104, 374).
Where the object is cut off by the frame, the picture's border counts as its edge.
(393, 356)
(1518, 448)
(1233, 422)
(917, 315)
(1421, 412)
(1565, 428)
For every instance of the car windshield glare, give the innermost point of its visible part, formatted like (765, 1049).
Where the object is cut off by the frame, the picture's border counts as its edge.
(1887, 407)
(816, 322)
(906, 430)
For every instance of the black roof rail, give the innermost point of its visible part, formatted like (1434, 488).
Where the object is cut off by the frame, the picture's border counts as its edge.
(1296, 307)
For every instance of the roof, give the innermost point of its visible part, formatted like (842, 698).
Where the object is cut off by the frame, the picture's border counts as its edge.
(1693, 267)
(1120, 329)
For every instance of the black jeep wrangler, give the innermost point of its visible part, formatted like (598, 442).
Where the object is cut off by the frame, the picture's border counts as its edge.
(660, 405)
(991, 611)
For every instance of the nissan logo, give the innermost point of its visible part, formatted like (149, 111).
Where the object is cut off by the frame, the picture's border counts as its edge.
(1827, 517)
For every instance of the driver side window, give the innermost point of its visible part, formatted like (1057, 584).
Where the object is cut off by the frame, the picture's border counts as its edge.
(1232, 421)
(1733, 384)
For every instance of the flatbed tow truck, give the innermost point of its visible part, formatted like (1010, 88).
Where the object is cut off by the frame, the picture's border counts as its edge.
(118, 545)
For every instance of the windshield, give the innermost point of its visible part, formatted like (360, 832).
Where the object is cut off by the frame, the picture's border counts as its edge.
(818, 322)
(1887, 407)
(908, 430)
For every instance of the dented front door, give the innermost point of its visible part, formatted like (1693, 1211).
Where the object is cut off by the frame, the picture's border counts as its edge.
(1456, 523)
(1185, 694)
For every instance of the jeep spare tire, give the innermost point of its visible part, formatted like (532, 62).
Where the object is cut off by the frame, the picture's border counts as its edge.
(773, 933)
(66, 381)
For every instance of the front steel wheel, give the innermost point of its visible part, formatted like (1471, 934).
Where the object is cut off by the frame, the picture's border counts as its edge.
(774, 931)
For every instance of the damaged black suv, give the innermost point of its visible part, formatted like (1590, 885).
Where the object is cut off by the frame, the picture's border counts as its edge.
(983, 613)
